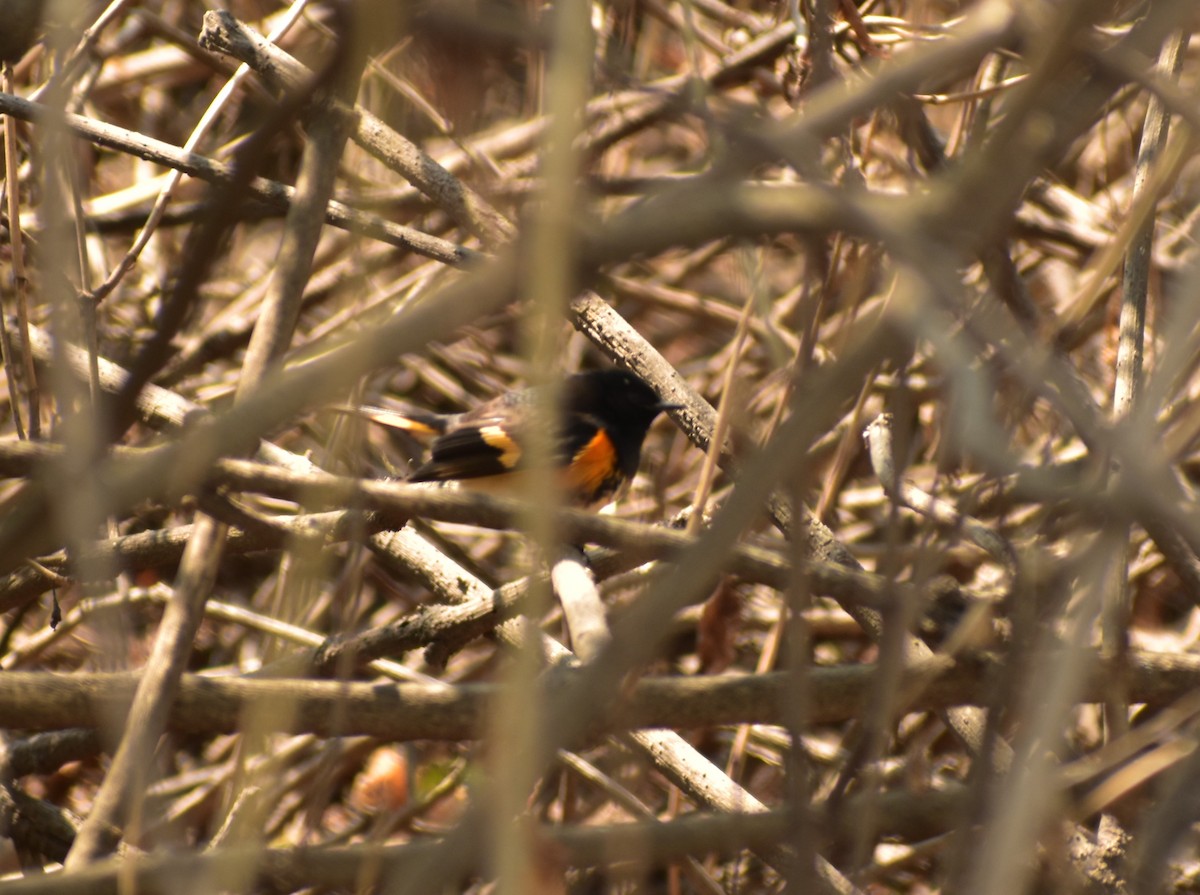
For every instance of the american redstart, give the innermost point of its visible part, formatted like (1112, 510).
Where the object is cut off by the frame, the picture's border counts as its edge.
(605, 417)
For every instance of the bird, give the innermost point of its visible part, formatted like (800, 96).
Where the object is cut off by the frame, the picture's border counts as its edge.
(22, 21)
(604, 418)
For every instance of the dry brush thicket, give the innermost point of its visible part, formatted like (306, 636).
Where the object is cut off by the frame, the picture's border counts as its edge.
(905, 594)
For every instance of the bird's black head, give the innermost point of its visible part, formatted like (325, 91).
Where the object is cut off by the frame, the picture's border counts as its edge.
(616, 395)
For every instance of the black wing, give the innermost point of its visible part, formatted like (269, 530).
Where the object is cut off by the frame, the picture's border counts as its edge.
(475, 448)
(471, 451)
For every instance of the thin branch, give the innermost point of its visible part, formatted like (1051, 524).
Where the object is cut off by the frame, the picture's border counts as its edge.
(225, 34)
(271, 193)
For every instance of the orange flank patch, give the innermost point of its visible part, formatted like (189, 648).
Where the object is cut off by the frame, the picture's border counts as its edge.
(496, 437)
(593, 465)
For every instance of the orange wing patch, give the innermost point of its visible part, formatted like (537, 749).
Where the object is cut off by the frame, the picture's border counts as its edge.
(593, 467)
(496, 437)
